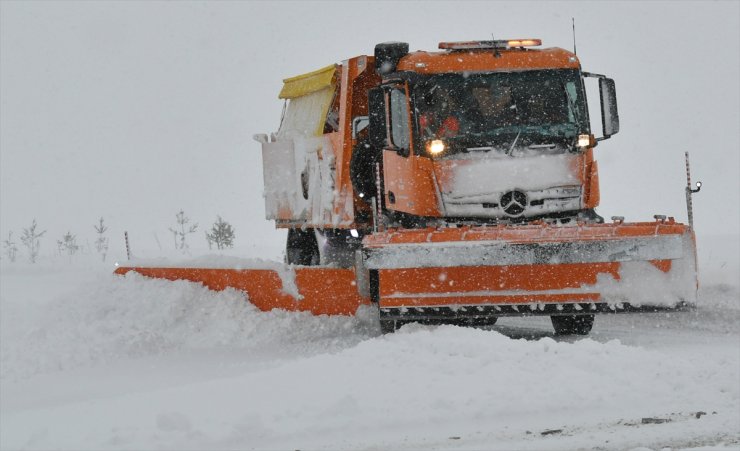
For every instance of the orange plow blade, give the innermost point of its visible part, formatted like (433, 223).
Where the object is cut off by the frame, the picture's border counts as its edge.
(480, 272)
(471, 273)
(319, 290)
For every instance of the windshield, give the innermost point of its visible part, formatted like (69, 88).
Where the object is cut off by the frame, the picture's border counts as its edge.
(522, 112)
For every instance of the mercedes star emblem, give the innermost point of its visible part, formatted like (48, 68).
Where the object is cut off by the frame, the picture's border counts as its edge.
(514, 203)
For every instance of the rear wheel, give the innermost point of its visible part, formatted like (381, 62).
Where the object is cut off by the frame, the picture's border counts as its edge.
(302, 248)
(572, 324)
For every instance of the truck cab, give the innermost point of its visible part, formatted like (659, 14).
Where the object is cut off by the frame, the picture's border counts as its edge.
(487, 131)
(480, 132)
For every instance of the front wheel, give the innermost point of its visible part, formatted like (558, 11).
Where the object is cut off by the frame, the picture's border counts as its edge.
(387, 326)
(302, 248)
(572, 324)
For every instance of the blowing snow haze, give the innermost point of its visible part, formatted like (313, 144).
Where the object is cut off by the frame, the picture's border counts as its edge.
(135, 111)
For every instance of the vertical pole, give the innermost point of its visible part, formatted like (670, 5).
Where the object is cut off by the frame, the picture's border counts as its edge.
(689, 206)
(128, 249)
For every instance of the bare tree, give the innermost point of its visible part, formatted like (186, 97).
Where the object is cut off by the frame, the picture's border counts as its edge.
(68, 244)
(101, 242)
(222, 235)
(31, 239)
(182, 230)
(9, 247)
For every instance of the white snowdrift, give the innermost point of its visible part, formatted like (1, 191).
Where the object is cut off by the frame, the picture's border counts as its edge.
(133, 363)
(130, 316)
(215, 261)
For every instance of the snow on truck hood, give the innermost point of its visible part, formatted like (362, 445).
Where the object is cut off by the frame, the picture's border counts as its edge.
(483, 173)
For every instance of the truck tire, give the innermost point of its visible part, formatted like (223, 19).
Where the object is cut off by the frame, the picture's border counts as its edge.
(389, 326)
(302, 248)
(572, 324)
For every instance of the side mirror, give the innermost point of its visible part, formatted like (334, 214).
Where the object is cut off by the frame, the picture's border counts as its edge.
(609, 113)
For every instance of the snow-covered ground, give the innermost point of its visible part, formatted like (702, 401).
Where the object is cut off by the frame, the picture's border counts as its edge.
(89, 360)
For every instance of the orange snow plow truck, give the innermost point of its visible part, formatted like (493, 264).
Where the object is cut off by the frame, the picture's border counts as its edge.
(455, 186)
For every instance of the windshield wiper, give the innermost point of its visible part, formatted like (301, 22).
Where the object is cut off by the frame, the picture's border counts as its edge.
(542, 146)
(513, 143)
(484, 148)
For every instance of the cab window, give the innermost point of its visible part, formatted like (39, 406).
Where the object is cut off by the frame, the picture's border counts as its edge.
(399, 116)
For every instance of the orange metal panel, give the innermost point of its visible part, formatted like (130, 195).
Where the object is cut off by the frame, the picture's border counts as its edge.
(663, 265)
(324, 291)
(591, 200)
(492, 278)
(412, 183)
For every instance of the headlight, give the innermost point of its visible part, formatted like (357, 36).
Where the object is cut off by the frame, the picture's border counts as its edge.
(584, 140)
(435, 147)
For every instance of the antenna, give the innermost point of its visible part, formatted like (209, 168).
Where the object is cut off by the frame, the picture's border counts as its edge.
(573, 20)
(496, 53)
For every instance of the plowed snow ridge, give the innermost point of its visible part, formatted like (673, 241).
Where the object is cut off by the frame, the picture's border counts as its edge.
(335, 382)
(134, 316)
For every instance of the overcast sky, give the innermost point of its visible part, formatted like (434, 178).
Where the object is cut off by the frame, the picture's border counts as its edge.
(134, 110)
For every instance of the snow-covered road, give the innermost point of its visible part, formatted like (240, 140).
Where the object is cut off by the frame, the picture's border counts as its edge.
(95, 361)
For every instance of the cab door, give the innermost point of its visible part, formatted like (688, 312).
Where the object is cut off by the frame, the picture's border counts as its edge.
(408, 176)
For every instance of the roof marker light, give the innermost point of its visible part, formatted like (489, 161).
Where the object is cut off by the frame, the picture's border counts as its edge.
(498, 44)
(524, 42)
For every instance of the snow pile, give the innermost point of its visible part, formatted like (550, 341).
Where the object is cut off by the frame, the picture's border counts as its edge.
(285, 271)
(430, 383)
(179, 260)
(130, 316)
(134, 363)
(641, 283)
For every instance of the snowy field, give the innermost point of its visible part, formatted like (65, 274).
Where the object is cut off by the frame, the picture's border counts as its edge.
(133, 111)
(90, 360)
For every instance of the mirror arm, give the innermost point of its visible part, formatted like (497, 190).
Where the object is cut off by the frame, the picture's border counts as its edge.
(356, 125)
(592, 75)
